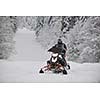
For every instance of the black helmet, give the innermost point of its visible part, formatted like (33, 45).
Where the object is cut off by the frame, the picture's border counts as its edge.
(59, 41)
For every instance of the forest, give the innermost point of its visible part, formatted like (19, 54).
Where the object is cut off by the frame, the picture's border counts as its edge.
(81, 34)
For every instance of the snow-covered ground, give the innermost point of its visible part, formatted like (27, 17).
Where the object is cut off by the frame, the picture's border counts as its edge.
(30, 57)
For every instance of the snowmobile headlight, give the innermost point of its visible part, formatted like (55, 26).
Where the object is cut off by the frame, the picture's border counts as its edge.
(55, 54)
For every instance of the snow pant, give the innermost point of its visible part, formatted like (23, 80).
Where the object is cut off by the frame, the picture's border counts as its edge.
(62, 61)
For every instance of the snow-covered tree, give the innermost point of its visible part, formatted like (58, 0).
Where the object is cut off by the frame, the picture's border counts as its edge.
(48, 29)
(28, 22)
(80, 33)
(7, 32)
(84, 41)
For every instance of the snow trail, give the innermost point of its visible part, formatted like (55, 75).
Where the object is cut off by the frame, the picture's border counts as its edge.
(27, 49)
(30, 57)
(21, 71)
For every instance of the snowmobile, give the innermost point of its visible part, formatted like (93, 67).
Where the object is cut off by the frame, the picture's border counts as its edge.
(56, 63)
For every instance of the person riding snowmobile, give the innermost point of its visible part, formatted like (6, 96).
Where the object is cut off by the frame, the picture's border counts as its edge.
(60, 45)
(57, 62)
(61, 48)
